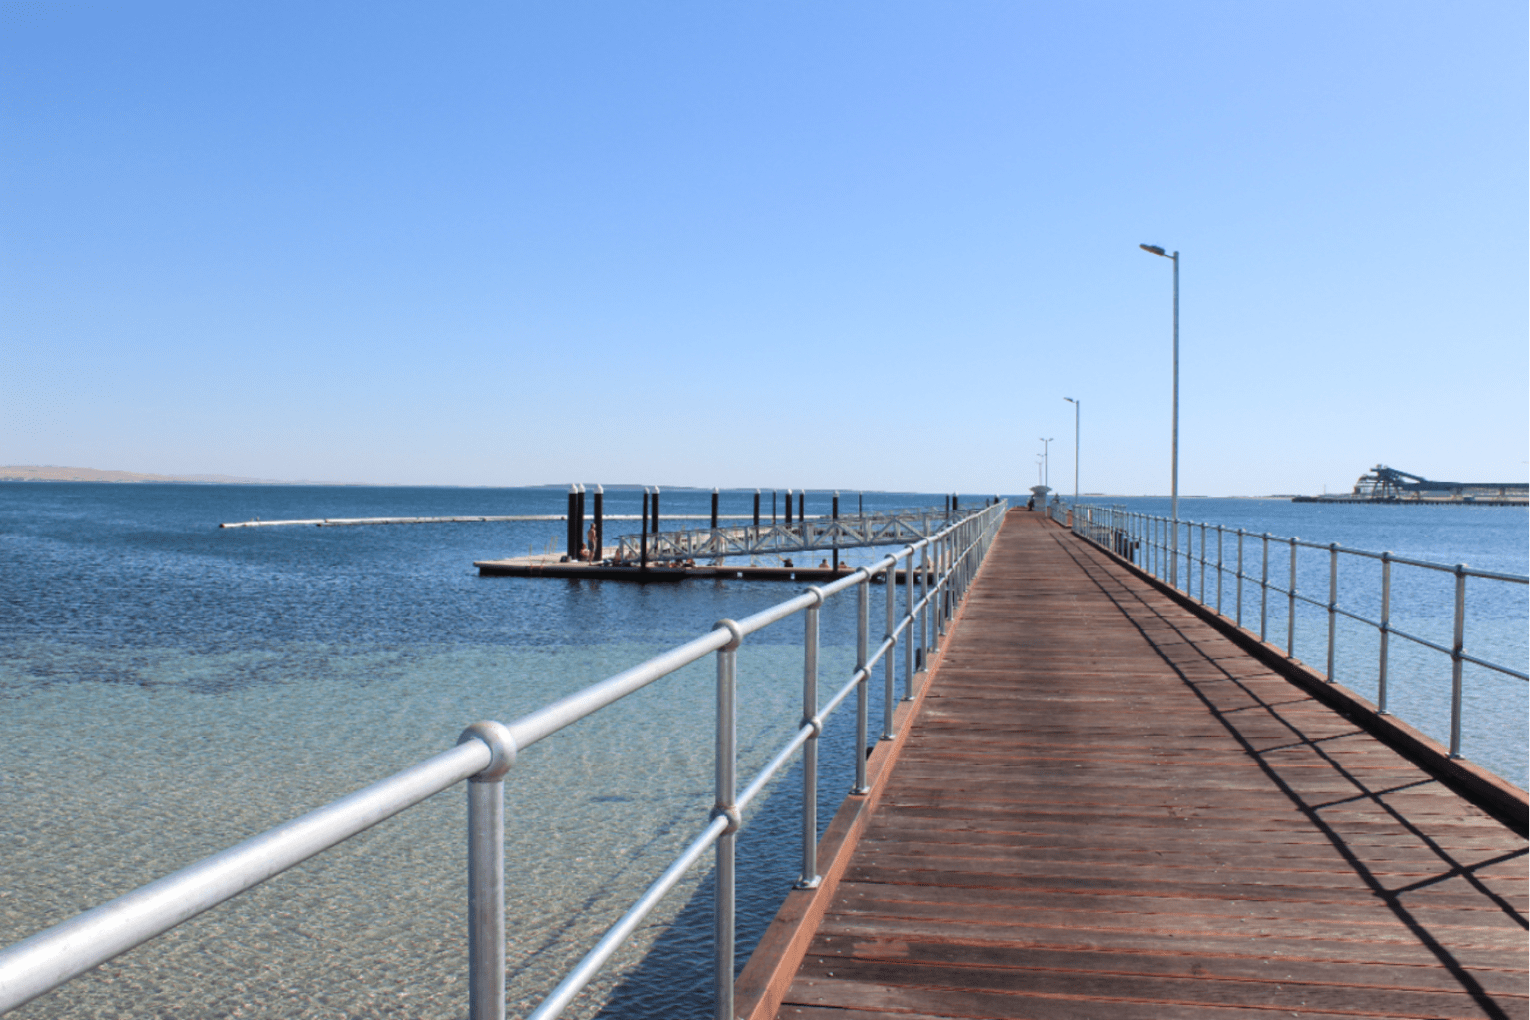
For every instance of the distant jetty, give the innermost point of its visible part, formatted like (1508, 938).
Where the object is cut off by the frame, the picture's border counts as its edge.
(1383, 484)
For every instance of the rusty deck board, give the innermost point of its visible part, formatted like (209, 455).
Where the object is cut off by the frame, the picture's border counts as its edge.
(1106, 809)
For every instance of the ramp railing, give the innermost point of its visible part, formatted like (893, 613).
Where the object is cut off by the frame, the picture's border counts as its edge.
(1149, 542)
(848, 532)
(934, 586)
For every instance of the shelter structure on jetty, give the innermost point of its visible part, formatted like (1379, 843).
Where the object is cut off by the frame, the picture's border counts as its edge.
(1108, 803)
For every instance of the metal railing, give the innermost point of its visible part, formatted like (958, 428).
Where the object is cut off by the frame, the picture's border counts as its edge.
(848, 532)
(933, 589)
(1148, 541)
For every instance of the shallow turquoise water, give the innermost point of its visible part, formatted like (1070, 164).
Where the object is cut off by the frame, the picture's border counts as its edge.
(169, 689)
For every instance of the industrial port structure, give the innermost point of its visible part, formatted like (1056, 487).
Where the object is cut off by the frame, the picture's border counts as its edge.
(1384, 484)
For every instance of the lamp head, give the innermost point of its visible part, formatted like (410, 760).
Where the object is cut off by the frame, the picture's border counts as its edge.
(1154, 249)
(1070, 400)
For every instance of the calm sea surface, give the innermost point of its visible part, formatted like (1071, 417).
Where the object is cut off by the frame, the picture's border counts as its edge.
(169, 689)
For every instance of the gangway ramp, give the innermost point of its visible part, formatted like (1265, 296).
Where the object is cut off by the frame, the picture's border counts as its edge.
(1105, 807)
(853, 531)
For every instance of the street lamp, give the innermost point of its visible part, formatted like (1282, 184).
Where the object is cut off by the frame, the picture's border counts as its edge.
(1174, 457)
(1076, 405)
(1046, 462)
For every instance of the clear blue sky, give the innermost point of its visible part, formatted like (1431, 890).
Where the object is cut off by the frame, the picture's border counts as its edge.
(858, 244)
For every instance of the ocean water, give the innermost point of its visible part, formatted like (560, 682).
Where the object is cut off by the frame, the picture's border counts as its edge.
(168, 689)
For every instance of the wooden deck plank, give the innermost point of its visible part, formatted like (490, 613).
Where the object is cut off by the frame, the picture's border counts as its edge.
(1106, 808)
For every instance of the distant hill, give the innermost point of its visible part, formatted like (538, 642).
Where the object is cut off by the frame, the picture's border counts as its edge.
(35, 473)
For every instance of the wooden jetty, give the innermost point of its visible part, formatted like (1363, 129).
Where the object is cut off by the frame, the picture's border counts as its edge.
(1105, 804)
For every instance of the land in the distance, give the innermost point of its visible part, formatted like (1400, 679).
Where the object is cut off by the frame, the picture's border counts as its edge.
(50, 473)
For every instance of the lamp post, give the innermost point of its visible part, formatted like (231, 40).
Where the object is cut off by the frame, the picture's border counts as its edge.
(1046, 463)
(1174, 456)
(1076, 405)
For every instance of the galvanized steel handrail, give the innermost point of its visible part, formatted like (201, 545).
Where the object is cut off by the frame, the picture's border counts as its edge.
(859, 530)
(1129, 533)
(486, 751)
(957, 575)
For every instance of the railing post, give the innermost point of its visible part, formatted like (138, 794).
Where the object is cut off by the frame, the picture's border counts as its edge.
(1239, 620)
(924, 602)
(963, 556)
(967, 567)
(1172, 542)
(1264, 586)
(947, 610)
(1457, 646)
(889, 663)
(1189, 558)
(726, 790)
(1291, 607)
(1189, 588)
(1220, 540)
(809, 879)
(1386, 627)
(938, 597)
(1173, 554)
(862, 694)
(961, 560)
(486, 878)
(1333, 600)
(1203, 563)
(908, 630)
